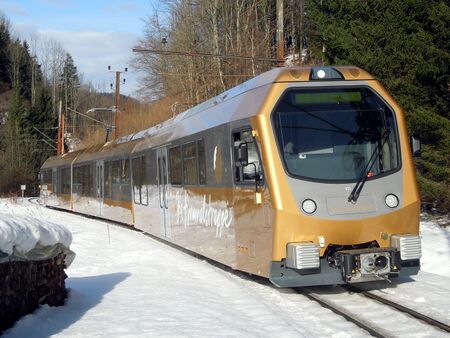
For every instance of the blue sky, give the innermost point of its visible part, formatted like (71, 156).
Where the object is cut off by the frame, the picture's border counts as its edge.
(96, 33)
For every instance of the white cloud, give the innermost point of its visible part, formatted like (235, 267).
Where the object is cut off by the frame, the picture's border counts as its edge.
(12, 7)
(93, 52)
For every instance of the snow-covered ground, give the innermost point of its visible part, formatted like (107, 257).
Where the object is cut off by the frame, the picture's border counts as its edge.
(435, 247)
(126, 284)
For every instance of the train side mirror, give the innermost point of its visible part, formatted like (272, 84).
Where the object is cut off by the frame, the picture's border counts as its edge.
(241, 154)
(416, 148)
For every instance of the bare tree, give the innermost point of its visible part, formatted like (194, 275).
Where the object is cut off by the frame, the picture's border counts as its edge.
(232, 27)
(51, 55)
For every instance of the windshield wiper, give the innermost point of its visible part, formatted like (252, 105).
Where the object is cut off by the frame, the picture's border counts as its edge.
(354, 195)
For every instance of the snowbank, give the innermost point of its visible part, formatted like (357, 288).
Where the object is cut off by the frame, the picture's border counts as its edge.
(26, 236)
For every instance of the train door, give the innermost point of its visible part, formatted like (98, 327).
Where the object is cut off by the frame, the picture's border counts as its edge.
(100, 186)
(163, 181)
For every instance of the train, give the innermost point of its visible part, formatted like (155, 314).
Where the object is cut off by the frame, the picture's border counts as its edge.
(302, 175)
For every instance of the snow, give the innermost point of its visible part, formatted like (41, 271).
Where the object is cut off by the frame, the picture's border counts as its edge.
(126, 284)
(21, 232)
(435, 248)
(387, 321)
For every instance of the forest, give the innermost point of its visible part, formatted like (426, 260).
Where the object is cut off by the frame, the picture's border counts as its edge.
(403, 43)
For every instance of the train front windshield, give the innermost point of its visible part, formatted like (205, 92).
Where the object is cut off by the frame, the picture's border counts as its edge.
(330, 134)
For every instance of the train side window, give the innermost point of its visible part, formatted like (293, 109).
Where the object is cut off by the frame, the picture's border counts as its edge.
(144, 182)
(115, 171)
(251, 170)
(190, 163)
(46, 176)
(139, 182)
(108, 173)
(117, 180)
(87, 180)
(82, 180)
(77, 181)
(125, 171)
(201, 162)
(175, 166)
(65, 181)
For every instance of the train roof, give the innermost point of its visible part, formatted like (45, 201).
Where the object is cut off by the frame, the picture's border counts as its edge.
(109, 150)
(229, 106)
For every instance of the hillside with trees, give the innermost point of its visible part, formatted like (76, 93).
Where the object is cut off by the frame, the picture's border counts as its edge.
(36, 77)
(25, 108)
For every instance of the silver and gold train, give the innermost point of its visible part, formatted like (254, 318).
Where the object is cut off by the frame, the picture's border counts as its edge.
(301, 175)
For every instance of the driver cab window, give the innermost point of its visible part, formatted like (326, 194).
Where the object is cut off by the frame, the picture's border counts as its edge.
(246, 167)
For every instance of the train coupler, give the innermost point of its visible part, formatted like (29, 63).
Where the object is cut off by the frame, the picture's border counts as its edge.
(366, 265)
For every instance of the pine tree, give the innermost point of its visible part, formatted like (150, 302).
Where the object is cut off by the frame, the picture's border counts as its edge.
(4, 55)
(17, 113)
(20, 67)
(405, 44)
(42, 121)
(70, 80)
(17, 145)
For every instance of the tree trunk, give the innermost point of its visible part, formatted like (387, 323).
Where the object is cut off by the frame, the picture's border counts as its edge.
(216, 43)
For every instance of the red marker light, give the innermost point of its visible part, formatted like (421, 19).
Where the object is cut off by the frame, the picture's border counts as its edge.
(370, 174)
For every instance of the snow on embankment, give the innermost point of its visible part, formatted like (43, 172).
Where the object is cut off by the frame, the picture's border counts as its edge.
(435, 246)
(25, 236)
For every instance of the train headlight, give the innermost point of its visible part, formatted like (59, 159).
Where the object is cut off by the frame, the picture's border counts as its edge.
(302, 255)
(321, 73)
(409, 245)
(391, 201)
(309, 206)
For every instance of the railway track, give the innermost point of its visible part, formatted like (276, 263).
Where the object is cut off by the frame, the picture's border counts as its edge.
(34, 200)
(379, 316)
(411, 312)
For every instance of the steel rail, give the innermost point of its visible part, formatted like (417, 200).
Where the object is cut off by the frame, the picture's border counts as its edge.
(373, 331)
(413, 313)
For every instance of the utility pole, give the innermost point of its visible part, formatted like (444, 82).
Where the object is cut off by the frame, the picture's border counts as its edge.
(65, 93)
(60, 145)
(117, 110)
(58, 150)
(63, 130)
(280, 32)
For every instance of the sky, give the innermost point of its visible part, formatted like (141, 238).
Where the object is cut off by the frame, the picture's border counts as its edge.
(97, 33)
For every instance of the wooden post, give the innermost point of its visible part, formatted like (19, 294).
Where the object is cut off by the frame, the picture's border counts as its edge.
(63, 127)
(60, 129)
(117, 105)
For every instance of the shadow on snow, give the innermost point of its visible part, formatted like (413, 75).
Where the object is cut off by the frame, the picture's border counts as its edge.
(84, 294)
